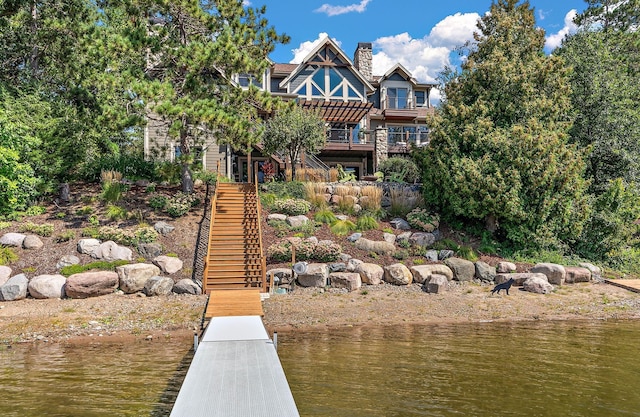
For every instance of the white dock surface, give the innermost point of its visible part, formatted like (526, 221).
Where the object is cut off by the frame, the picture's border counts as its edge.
(235, 372)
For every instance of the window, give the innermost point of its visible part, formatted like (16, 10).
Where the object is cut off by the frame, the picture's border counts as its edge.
(420, 98)
(247, 79)
(407, 134)
(397, 98)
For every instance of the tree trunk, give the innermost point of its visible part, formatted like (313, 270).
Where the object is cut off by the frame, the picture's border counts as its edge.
(187, 179)
(65, 194)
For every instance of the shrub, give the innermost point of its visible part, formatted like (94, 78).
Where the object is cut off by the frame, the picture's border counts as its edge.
(292, 206)
(305, 250)
(399, 169)
(403, 200)
(366, 222)
(100, 265)
(35, 210)
(327, 252)
(180, 204)
(423, 220)
(4, 225)
(315, 194)
(45, 229)
(342, 227)
(281, 227)
(325, 216)
(157, 202)
(401, 254)
(289, 189)
(133, 166)
(112, 191)
(268, 199)
(346, 204)
(307, 229)
(84, 211)
(145, 234)
(61, 215)
(115, 213)
(65, 236)
(7, 255)
(279, 252)
(110, 175)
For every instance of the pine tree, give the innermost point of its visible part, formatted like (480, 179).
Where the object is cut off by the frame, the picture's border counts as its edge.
(499, 149)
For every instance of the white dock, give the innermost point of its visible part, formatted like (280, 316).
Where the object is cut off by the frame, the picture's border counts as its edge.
(235, 372)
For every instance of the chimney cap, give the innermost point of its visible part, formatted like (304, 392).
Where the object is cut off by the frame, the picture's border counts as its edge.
(364, 45)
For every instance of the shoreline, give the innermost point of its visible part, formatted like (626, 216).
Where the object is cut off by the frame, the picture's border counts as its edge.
(128, 318)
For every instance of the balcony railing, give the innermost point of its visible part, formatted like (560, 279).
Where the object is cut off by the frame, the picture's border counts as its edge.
(348, 135)
(406, 138)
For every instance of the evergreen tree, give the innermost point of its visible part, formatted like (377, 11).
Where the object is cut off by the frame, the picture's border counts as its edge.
(185, 53)
(499, 149)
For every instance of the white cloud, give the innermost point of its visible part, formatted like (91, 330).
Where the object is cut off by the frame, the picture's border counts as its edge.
(425, 58)
(331, 10)
(303, 50)
(246, 3)
(554, 40)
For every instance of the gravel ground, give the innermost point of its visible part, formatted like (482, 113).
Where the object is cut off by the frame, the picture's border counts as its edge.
(132, 316)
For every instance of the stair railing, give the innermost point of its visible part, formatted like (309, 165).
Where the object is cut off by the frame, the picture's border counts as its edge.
(263, 265)
(211, 221)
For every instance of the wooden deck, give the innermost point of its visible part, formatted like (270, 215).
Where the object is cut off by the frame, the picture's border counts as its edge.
(627, 284)
(225, 303)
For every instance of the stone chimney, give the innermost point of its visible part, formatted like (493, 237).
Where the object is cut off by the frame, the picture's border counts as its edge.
(363, 58)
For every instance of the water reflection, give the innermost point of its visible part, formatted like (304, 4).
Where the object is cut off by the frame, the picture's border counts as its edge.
(490, 369)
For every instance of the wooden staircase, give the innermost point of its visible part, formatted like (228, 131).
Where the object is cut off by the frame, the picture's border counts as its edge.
(234, 257)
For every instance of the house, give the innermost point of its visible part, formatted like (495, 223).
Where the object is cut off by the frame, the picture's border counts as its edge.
(368, 118)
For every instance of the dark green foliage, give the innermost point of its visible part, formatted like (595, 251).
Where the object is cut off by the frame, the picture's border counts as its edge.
(99, 265)
(498, 150)
(158, 202)
(132, 166)
(112, 191)
(399, 169)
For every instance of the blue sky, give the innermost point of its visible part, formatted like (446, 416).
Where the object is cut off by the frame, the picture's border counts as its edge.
(420, 34)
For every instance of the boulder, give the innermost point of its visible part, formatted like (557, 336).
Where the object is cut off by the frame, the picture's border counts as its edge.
(422, 239)
(316, 275)
(163, 228)
(47, 286)
(132, 277)
(352, 264)
(354, 236)
(397, 274)
(389, 237)
(314, 240)
(168, 264)
(15, 288)
(67, 260)
(463, 270)
(297, 221)
(111, 251)
(187, 286)
(284, 275)
(91, 284)
(337, 267)
(577, 274)
(518, 278)
(485, 272)
(431, 255)
(399, 223)
(344, 257)
(5, 274)
(158, 286)
(12, 239)
(596, 273)
(370, 273)
(403, 236)
(537, 284)
(150, 250)
(437, 284)
(87, 246)
(349, 280)
(554, 272)
(342, 217)
(378, 246)
(505, 267)
(445, 254)
(277, 217)
(422, 273)
(32, 242)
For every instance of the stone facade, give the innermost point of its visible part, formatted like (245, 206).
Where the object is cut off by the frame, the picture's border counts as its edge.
(382, 147)
(363, 60)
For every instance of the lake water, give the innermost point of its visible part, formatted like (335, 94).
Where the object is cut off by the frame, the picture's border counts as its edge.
(488, 369)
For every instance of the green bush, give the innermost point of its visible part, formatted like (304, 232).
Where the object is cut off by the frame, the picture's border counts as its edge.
(366, 222)
(267, 199)
(288, 189)
(467, 252)
(4, 225)
(399, 169)
(112, 191)
(145, 234)
(65, 236)
(18, 183)
(305, 250)
(132, 166)
(180, 204)
(84, 211)
(7, 255)
(115, 213)
(292, 206)
(35, 211)
(421, 219)
(401, 254)
(158, 202)
(325, 216)
(45, 229)
(100, 265)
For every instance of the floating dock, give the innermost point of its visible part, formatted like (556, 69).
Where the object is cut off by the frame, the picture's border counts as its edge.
(627, 284)
(235, 372)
